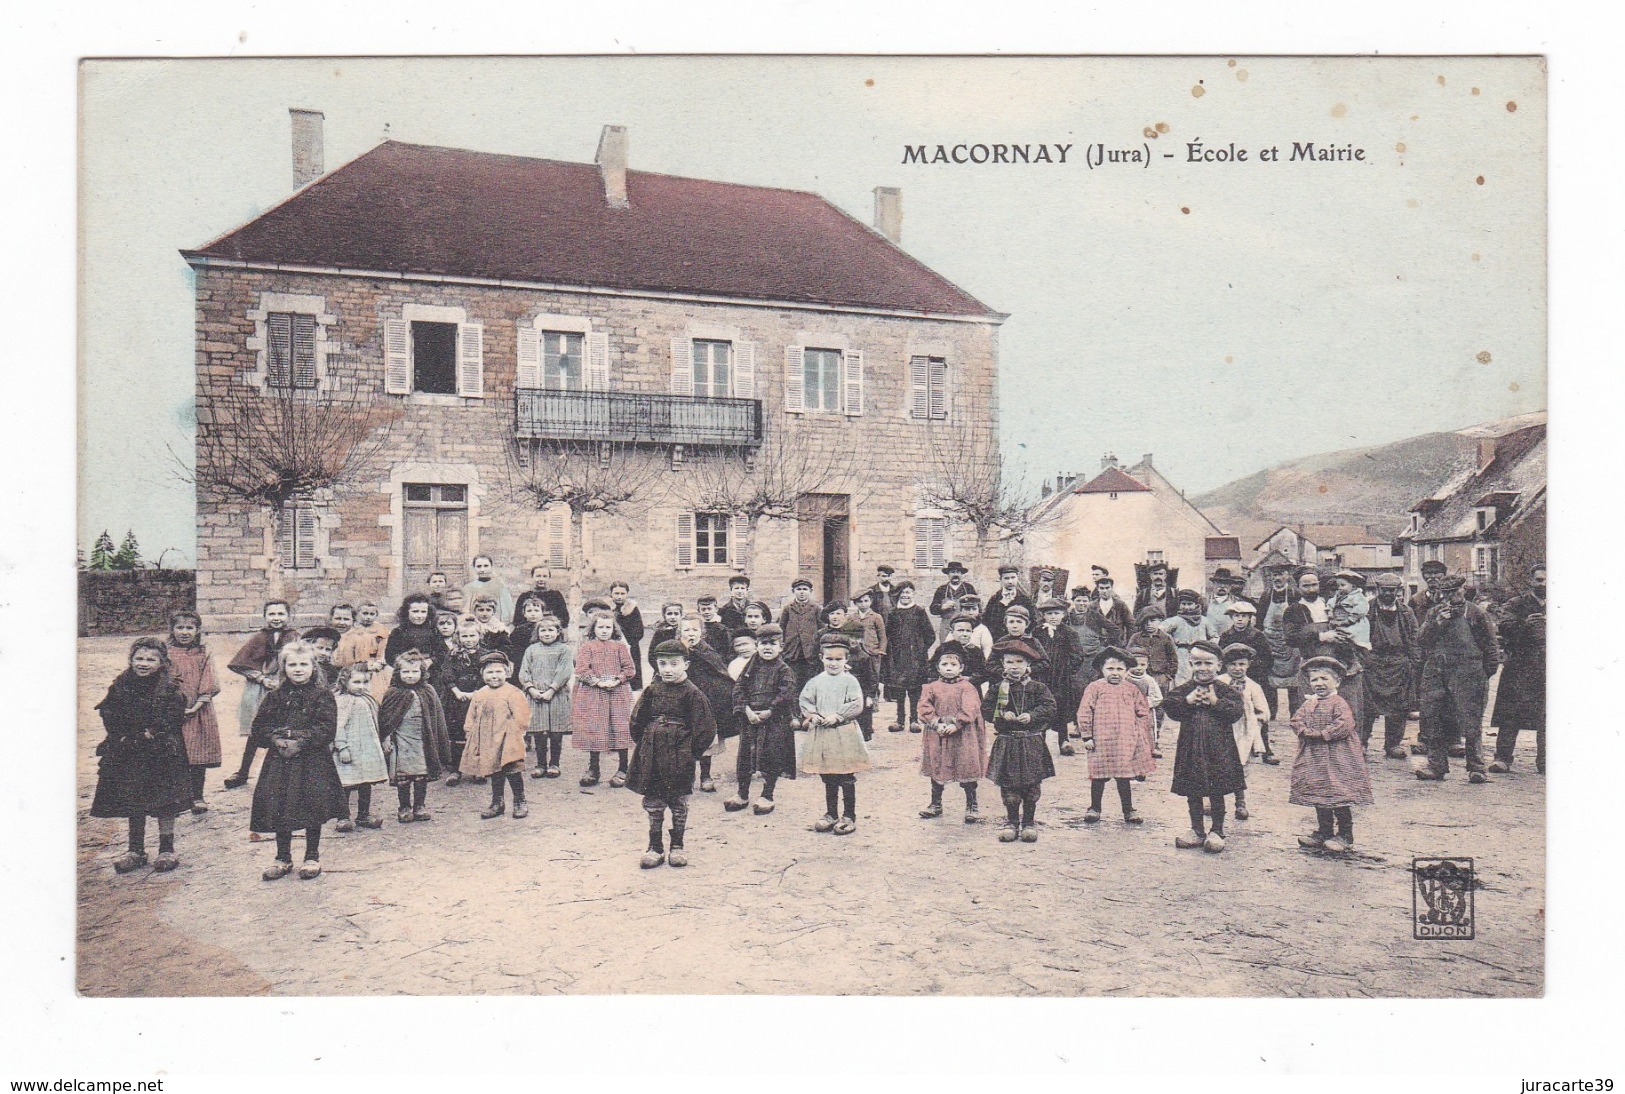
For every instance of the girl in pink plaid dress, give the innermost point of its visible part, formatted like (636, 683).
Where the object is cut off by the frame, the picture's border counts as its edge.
(601, 704)
(1330, 772)
(1114, 720)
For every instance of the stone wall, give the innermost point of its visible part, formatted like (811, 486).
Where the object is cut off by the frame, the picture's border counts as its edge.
(133, 601)
(456, 440)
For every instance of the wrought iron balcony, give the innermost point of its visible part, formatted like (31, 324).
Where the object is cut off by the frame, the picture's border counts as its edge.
(636, 417)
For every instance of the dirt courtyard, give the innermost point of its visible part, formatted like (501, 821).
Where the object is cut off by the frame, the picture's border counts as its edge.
(556, 903)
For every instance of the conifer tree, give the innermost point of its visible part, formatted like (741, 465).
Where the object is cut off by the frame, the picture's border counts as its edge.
(128, 556)
(101, 553)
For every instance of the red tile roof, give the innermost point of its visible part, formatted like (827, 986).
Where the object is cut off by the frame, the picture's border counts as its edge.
(1113, 480)
(405, 208)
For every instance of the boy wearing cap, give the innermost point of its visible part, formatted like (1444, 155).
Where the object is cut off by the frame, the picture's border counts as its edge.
(1330, 773)
(1062, 659)
(799, 618)
(1205, 762)
(1010, 593)
(1390, 667)
(838, 619)
(671, 727)
(498, 718)
(1249, 729)
(1021, 711)
(732, 612)
(834, 750)
(764, 705)
(1243, 616)
(707, 671)
(908, 641)
(1186, 629)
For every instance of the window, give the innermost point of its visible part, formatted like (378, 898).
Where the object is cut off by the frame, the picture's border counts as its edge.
(821, 379)
(928, 388)
(930, 543)
(1416, 522)
(561, 360)
(291, 345)
(297, 522)
(434, 358)
(436, 524)
(1486, 562)
(709, 539)
(711, 368)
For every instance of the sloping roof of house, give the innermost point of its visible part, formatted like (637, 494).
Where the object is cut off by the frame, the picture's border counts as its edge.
(424, 210)
(1113, 480)
(1521, 472)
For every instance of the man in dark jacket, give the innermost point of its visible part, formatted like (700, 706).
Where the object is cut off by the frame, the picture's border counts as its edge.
(945, 601)
(551, 599)
(799, 620)
(1390, 667)
(1010, 593)
(1520, 700)
(1460, 650)
(1310, 632)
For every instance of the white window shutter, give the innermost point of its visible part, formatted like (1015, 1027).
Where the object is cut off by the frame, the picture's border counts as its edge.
(597, 360)
(938, 383)
(939, 542)
(558, 531)
(685, 541)
(279, 346)
(852, 388)
(285, 537)
(397, 357)
(471, 360)
(738, 530)
(745, 370)
(682, 369)
(529, 371)
(919, 387)
(795, 378)
(305, 537)
(922, 544)
(304, 351)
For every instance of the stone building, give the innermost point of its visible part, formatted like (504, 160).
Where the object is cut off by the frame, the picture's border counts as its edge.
(493, 309)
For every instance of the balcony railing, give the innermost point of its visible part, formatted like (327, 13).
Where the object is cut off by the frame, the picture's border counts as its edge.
(636, 417)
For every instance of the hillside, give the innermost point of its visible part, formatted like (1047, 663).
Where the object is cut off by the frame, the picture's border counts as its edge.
(1374, 487)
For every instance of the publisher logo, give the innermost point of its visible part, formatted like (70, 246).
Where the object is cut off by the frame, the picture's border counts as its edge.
(1442, 898)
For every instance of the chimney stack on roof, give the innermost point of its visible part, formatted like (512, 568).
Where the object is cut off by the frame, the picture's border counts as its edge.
(1146, 460)
(1108, 461)
(307, 146)
(611, 160)
(889, 212)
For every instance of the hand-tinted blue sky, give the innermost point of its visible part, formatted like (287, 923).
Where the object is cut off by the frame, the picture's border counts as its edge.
(1223, 316)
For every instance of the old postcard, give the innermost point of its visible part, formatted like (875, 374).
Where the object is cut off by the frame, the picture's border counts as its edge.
(901, 526)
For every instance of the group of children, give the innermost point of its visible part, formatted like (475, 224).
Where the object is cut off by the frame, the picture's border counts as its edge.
(349, 706)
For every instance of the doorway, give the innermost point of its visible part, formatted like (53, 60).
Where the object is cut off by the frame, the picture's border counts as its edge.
(825, 555)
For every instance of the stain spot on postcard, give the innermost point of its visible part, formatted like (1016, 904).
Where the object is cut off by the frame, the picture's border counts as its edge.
(1514, 386)
(242, 36)
(1441, 81)
(1475, 91)
(1400, 148)
(1512, 107)
(1198, 91)
(1149, 133)
(1231, 62)
(1162, 127)
(1484, 357)
(1479, 180)
(1186, 209)
(1241, 74)
(1411, 203)
(869, 82)
(1229, 360)
(1475, 256)
(1339, 110)
(1322, 488)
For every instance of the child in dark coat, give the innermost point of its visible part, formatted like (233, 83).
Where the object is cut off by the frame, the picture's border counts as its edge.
(298, 785)
(909, 635)
(707, 671)
(671, 729)
(764, 704)
(256, 663)
(143, 771)
(412, 722)
(1206, 764)
(1021, 711)
(456, 676)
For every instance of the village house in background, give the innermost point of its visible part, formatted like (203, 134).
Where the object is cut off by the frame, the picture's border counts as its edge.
(1331, 546)
(1488, 522)
(1123, 517)
(583, 366)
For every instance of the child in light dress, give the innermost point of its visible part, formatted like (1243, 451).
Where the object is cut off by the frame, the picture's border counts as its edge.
(358, 753)
(831, 703)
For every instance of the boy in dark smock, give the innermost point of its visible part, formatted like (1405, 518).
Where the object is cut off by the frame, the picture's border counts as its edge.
(671, 728)
(765, 700)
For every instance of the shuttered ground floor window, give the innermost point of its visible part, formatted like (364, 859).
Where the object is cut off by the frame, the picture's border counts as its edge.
(436, 527)
(709, 539)
(930, 543)
(296, 525)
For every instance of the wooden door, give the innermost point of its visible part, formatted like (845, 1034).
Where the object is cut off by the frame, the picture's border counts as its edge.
(434, 534)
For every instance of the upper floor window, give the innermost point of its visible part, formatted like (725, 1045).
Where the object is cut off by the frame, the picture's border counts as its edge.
(713, 372)
(434, 350)
(825, 381)
(290, 339)
(928, 388)
(561, 360)
(434, 358)
(931, 535)
(821, 373)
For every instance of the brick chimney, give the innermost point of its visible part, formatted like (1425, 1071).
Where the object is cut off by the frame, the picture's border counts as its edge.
(611, 160)
(889, 212)
(1486, 452)
(1146, 460)
(307, 146)
(1108, 461)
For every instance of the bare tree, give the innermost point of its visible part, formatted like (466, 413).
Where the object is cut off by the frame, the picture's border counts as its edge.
(282, 444)
(610, 478)
(980, 488)
(770, 483)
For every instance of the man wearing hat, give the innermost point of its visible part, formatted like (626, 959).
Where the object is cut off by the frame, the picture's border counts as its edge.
(1044, 585)
(1520, 700)
(1433, 571)
(1460, 651)
(1310, 630)
(1390, 667)
(945, 602)
(800, 622)
(1223, 595)
(1058, 670)
(1110, 605)
(1156, 593)
(1010, 593)
(881, 597)
(732, 612)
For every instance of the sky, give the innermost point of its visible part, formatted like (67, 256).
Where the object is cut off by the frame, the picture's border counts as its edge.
(1225, 316)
